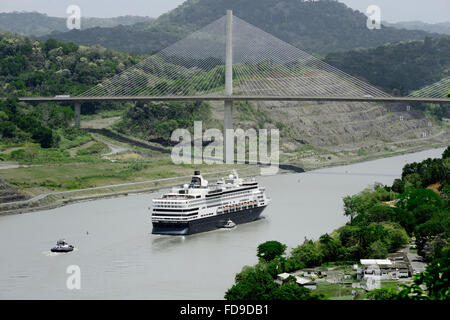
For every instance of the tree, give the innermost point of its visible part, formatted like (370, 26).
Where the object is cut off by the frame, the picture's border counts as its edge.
(412, 199)
(51, 44)
(424, 212)
(44, 136)
(292, 291)
(380, 212)
(349, 235)
(331, 249)
(269, 250)
(7, 129)
(360, 203)
(432, 234)
(293, 264)
(378, 250)
(308, 253)
(351, 206)
(256, 285)
(69, 47)
(396, 236)
(398, 186)
(405, 219)
(446, 153)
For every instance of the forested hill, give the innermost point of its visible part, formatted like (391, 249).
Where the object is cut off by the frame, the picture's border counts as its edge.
(398, 68)
(49, 68)
(443, 27)
(317, 27)
(38, 24)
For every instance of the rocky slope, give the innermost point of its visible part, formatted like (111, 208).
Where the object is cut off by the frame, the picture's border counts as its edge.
(323, 134)
(9, 193)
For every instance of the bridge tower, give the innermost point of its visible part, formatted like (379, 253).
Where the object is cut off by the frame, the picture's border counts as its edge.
(228, 154)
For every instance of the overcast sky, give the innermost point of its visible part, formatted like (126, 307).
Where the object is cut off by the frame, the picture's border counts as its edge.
(391, 10)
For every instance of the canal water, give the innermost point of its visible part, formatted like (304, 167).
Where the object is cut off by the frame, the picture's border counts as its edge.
(119, 258)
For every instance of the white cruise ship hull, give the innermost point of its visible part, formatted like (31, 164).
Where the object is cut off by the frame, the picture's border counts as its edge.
(208, 223)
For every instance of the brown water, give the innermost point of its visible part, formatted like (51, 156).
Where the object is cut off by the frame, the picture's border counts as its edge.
(121, 259)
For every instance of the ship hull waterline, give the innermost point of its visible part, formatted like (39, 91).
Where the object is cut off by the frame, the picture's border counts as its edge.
(208, 223)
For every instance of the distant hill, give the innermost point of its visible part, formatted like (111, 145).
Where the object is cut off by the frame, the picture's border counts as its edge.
(317, 27)
(443, 27)
(38, 24)
(398, 68)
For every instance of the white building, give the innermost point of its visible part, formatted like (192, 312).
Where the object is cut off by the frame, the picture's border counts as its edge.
(383, 268)
(305, 282)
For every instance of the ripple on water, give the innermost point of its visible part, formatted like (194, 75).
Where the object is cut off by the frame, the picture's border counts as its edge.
(20, 276)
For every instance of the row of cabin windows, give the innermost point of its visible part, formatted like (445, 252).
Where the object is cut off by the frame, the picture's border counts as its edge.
(171, 204)
(207, 215)
(234, 195)
(175, 219)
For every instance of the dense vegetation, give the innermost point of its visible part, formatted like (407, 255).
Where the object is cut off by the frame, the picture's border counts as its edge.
(39, 24)
(157, 120)
(443, 27)
(398, 68)
(45, 125)
(49, 68)
(34, 68)
(376, 228)
(257, 283)
(315, 26)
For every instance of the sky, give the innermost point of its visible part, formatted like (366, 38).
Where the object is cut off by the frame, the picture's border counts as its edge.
(431, 11)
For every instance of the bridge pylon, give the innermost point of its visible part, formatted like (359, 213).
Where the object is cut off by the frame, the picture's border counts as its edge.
(228, 153)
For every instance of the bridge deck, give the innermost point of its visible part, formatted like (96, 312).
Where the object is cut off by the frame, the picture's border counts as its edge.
(235, 98)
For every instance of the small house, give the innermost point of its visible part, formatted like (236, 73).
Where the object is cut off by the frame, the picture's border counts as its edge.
(306, 283)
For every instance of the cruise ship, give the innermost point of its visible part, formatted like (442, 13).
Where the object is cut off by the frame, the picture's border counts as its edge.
(199, 207)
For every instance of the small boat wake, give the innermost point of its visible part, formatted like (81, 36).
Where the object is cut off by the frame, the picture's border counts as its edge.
(230, 225)
(49, 253)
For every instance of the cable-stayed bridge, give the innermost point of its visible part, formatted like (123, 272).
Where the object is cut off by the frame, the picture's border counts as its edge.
(232, 60)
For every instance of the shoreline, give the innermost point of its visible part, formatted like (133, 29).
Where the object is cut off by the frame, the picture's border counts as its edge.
(58, 199)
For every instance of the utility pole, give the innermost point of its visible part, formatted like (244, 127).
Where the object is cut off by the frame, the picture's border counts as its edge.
(228, 154)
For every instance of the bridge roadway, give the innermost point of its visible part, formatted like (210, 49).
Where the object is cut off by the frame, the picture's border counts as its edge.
(234, 98)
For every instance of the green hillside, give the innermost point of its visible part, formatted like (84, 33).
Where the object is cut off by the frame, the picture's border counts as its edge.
(443, 27)
(38, 24)
(398, 68)
(318, 27)
(49, 68)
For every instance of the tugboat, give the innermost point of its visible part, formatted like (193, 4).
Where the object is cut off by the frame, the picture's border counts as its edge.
(230, 225)
(62, 246)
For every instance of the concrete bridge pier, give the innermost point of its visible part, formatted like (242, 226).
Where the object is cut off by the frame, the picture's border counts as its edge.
(228, 136)
(228, 140)
(77, 114)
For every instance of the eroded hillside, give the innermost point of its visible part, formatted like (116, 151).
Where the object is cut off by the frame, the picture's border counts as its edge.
(321, 134)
